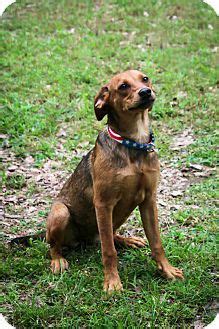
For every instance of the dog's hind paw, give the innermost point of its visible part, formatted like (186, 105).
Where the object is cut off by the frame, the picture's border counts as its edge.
(129, 242)
(59, 265)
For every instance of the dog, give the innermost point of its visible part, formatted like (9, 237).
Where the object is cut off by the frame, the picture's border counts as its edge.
(120, 173)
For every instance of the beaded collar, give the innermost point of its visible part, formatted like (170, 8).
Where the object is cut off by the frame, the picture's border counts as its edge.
(149, 147)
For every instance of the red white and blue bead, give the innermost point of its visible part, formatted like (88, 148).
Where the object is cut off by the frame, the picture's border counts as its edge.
(149, 147)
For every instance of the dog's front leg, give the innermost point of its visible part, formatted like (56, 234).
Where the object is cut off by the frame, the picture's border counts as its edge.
(109, 256)
(148, 210)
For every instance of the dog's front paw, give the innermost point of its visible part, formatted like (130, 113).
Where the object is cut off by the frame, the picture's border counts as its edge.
(112, 283)
(59, 265)
(169, 271)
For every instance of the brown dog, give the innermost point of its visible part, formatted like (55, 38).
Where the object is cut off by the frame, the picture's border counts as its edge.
(111, 181)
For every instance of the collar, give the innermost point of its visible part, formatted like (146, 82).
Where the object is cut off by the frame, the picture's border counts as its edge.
(149, 147)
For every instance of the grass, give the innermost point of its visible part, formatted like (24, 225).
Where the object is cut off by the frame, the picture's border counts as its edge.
(56, 56)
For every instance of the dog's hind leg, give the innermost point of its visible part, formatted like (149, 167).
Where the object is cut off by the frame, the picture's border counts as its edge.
(58, 226)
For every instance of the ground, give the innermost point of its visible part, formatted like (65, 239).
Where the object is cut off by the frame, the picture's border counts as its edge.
(56, 56)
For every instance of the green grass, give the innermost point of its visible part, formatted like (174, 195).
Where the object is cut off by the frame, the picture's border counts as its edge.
(56, 56)
(40, 52)
(76, 299)
(15, 181)
(39, 299)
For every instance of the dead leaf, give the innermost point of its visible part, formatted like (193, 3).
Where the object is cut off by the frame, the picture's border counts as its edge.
(173, 17)
(176, 193)
(198, 324)
(196, 166)
(83, 144)
(48, 87)
(29, 160)
(162, 203)
(61, 133)
(190, 221)
(12, 168)
(71, 31)
(11, 198)
(176, 207)
(13, 216)
(182, 94)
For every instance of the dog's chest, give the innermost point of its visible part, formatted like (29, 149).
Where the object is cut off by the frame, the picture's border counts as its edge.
(136, 180)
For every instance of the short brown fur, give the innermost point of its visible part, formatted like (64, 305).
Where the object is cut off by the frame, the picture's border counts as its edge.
(110, 182)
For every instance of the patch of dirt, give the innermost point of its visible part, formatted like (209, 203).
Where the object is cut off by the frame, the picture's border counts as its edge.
(182, 140)
(24, 207)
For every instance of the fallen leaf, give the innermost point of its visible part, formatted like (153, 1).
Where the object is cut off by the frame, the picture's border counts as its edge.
(48, 87)
(61, 133)
(182, 94)
(71, 31)
(12, 168)
(176, 193)
(198, 324)
(13, 216)
(196, 166)
(29, 160)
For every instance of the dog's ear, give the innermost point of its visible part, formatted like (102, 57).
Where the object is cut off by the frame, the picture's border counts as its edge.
(101, 103)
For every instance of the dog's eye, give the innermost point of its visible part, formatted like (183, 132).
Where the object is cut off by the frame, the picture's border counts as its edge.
(124, 86)
(145, 79)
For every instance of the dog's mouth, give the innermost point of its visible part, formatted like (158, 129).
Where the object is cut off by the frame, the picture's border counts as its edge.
(143, 105)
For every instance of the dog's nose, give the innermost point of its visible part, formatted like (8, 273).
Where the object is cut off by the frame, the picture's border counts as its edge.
(144, 92)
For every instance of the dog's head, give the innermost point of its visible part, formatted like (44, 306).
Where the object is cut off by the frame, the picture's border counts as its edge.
(126, 93)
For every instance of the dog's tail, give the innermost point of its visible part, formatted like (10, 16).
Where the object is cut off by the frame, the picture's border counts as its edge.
(26, 240)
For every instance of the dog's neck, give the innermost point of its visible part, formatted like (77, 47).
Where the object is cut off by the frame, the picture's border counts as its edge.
(136, 129)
